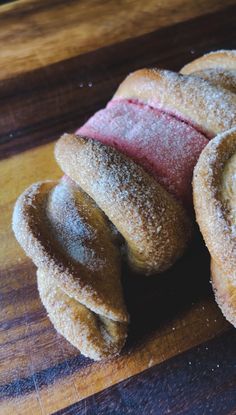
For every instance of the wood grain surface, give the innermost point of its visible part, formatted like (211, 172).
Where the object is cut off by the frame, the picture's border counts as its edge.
(39, 105)
(40, 372)
(198, 382)
(35, 33)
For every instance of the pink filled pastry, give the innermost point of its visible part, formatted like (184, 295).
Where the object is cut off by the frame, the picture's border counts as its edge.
(75, 229)
(163, 144)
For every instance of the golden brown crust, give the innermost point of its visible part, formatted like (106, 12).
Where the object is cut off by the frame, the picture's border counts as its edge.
(224, 59)
(153, 224)
(95, 336)
(225, 292)
(81, 288)
(210, 109)
(219, 77)
(219, 68)
(212, 191)
(211, 213)
(68, 237)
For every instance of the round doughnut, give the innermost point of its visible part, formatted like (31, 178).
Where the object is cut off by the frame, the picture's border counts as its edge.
(153, 224)
(214, 193)
(208, 108)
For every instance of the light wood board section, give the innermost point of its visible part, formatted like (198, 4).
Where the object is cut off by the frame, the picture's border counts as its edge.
(30, 349)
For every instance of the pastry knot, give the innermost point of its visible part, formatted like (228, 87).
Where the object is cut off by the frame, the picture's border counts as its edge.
(125, 195)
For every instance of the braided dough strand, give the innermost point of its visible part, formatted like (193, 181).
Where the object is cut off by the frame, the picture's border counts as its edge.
(68, 238)
(224, 59)
(69, 231)
(225, 291)
(219, 68)
(94, 335)
(153, 224)
(210, 109)
(214, 194)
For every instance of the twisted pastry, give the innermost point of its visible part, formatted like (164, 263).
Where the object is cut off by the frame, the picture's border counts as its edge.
(153, 224)
(214, 194)
(214, 198)
(218, 67)
(131, 166)
(72, 244)
(163, 120)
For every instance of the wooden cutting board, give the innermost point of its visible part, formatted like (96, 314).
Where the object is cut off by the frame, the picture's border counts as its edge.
(54, 73)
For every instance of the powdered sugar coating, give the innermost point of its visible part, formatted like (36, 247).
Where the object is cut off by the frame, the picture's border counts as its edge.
(214, 202)
(228, 190)
(95, 336)
(210, 200)
(221, 59)
(225, 52)
(65, 234)
(164, 145)
(210, 109)
(219, 77)
(73, 230)
(224, 288)
(217, 67)
(153, 224)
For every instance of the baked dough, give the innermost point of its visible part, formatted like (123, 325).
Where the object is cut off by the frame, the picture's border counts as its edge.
(154, 225)
(219, 77)
(214, 193)
(224, 287)
(218, 67)
(224, 59)
(71, 242)
(165, 146)
(69, 231)
(94, 335)
(208, 108)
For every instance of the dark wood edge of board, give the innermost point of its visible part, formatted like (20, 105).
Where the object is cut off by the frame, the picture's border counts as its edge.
(38, 106)
(201, 381)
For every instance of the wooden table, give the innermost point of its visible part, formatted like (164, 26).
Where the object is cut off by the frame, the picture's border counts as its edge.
(59, 62)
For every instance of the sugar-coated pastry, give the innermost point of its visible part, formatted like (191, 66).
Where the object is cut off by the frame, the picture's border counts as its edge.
(128, 177)
(218, 67)
(163, 120)
(164, 145)
(154, 225)
(94, 335)
(70, 241)
(219, 77)
(210, 109)
(224, 59)
(224, 288)
(214, 191)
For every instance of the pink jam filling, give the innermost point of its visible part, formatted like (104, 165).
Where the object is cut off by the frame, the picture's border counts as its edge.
(164, 145)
